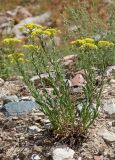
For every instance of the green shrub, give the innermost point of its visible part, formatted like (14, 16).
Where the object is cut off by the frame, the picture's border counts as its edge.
(37, 57)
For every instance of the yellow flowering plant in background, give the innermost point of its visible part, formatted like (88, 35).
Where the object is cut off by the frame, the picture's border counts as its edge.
(11, 41)
(17, 57)
(95, 56)
(88, 46)
(38, 30)
(31, 46)
(105, 44)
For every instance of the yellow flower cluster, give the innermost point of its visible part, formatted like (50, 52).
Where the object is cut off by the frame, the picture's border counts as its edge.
(31, 46)
(102, 44)
(48, 32)
(80, 42)
(17, 57)
(9, 41)
(38, 30)
(89, 40)
(31, 26)
(88, 46)
(89, 43)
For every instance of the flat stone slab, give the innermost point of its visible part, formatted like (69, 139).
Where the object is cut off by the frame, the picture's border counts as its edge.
(19, 108)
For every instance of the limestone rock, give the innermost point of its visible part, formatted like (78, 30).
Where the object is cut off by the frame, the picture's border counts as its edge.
(63, 153)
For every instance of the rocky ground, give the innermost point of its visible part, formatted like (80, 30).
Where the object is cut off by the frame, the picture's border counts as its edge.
(24, 129)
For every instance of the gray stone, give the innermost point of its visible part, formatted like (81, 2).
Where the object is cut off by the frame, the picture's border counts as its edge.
(34, 129)
(107, 135)
(7, 99)
(1, 82)
(19, 108)
(63, 153)
(78, 89)
(109, 107)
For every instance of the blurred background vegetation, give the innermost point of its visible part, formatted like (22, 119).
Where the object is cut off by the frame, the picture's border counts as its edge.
(74, 18)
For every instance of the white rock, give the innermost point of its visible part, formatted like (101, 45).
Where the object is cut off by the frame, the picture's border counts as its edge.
(70, 57)
(1, 82)
(34, 129)
(107, 135)
(27, 98)
(35, 157)
(63, 153)
(110, 70)
(68, 62)
(109, 107)
(112, 81)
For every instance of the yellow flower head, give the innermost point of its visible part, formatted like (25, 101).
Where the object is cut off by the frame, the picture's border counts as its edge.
(23, 60)
(102, 44)
(37, 32)
(10, 56)
(78, 42)
(9, 41)
(89, 40)
(72, 42)
(88, 46)
(17, 57)
(31, 26)
(31, 46)
(19, 54)
(50, 31)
